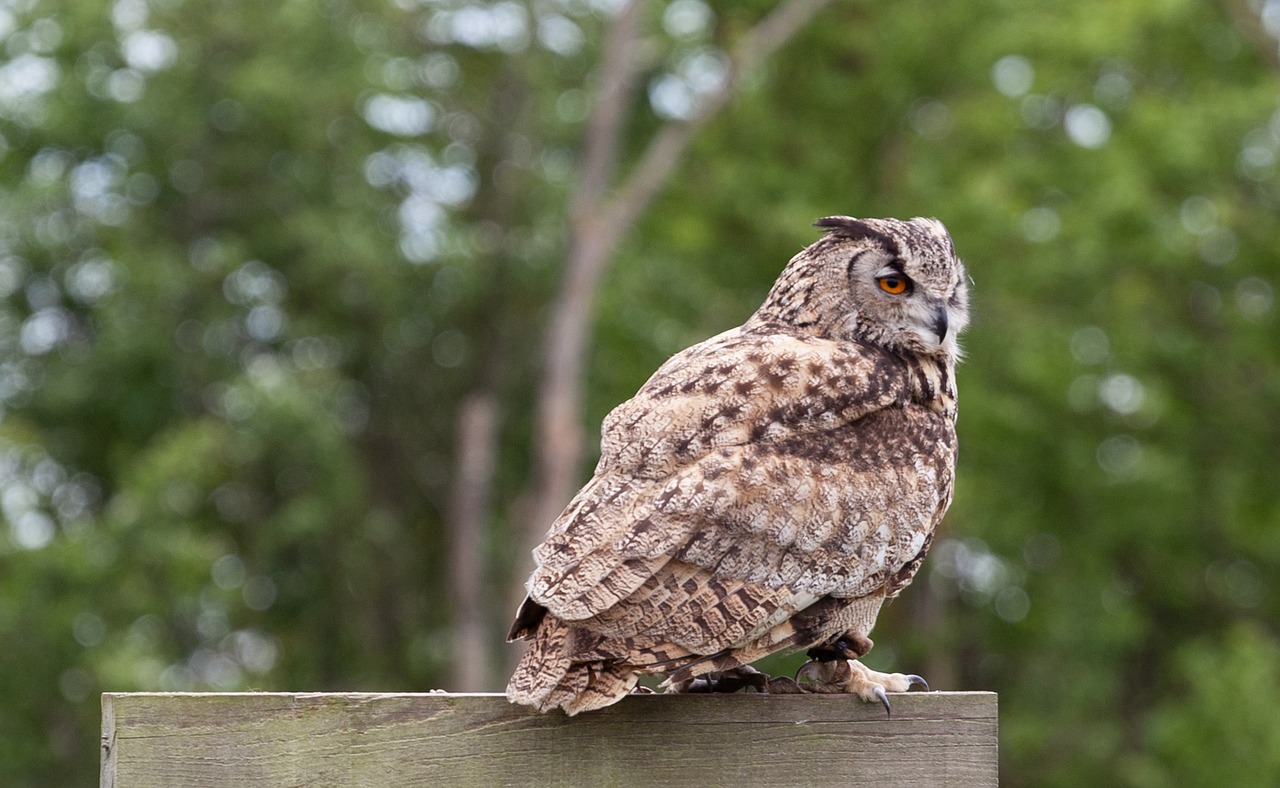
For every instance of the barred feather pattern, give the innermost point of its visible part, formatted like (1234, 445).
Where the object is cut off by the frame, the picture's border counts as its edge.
(767, 489)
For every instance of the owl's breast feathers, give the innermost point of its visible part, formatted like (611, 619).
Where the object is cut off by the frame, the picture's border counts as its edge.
(755, 482)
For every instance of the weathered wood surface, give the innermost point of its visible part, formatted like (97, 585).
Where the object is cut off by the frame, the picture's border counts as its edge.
(438, 739)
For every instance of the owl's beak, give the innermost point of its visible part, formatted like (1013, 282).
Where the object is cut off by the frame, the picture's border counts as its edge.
(940, 322)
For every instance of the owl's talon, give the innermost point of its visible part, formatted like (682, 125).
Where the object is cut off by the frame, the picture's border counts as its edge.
(878, 691)
(917, 681)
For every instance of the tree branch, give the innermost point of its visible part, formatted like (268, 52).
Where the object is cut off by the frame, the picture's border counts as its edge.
(664, 152)
(604, 133)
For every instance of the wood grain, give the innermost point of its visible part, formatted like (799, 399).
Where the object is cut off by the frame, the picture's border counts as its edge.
(177, 740)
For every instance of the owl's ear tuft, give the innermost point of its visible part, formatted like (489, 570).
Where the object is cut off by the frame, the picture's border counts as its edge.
(855, 230)
(842, 225)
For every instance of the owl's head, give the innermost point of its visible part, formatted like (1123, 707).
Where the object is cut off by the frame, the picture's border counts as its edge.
(896, 284)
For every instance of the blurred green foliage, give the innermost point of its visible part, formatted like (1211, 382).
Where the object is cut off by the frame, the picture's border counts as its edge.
(252, 255)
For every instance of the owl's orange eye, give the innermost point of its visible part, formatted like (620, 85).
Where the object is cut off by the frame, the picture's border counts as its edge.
(894, 285)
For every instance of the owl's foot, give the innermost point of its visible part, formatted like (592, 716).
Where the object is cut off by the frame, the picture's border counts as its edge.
(851, 676)
(850, 645)
(732, 680)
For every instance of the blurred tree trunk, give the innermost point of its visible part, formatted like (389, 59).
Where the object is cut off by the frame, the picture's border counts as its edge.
(478, 422)
(598, 223)
(479, 417)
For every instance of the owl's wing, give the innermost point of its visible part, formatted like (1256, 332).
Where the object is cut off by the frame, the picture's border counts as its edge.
(750, 477)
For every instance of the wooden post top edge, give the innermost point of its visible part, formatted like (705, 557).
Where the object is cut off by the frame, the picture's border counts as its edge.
(939, 695)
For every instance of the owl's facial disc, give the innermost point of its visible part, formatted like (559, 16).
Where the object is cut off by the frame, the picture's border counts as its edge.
(923, 318)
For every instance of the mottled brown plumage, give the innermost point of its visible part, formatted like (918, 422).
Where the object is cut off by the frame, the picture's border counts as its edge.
(767, 489)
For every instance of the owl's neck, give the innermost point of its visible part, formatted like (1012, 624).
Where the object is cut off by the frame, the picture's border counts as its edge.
(933, 383)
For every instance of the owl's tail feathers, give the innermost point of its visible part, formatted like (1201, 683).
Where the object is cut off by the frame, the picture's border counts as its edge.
(546, 678)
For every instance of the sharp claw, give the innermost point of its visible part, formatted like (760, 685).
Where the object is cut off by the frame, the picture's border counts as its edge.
(806, 671)
(917, 681)
(884, 699)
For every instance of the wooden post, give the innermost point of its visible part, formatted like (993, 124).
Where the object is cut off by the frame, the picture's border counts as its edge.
(177, 740)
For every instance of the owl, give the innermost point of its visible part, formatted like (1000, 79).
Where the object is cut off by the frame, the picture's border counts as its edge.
(766, 490)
